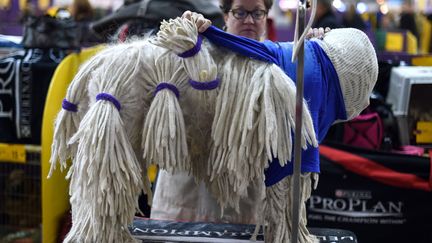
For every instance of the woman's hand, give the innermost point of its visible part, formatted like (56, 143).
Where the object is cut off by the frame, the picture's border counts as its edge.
(317, 33)
(201, 22)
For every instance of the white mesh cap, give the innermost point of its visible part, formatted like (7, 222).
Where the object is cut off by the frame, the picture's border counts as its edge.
(355, 61)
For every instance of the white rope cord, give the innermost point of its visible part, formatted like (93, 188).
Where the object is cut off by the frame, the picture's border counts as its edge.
(261, 124)
(178, 35)
(141, 105)
(181, 35)
(164, 134)
(231, 164)
(106, 178)
(284, 89)
(67, 122)
(228, 166)
(226, 131)
(278, 211)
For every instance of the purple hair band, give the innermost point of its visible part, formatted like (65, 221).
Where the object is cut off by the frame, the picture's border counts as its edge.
(169, 86)
(204, 85)
(194, 50)
(69, 106)
(110, 98)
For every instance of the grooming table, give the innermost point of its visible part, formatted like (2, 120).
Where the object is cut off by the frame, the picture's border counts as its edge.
(150, 230)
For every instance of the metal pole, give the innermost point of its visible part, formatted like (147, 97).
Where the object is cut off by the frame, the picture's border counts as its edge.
(298, 125)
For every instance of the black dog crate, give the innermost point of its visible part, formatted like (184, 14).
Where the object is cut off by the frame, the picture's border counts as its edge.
(20, 193)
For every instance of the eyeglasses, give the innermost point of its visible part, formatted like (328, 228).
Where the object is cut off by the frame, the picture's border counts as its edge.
(242, 14)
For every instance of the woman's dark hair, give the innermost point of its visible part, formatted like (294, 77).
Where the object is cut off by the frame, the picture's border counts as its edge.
(82, 10)
(226, 5)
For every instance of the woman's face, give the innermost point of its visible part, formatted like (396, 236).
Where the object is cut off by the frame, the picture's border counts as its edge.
(251, 27)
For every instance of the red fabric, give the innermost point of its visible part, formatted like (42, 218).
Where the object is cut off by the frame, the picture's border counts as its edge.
(271, 30)
(430, 173)
(375, 171)
(123, 33)
(365, 131)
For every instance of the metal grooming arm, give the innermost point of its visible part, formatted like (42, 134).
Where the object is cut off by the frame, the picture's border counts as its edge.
(300, 25)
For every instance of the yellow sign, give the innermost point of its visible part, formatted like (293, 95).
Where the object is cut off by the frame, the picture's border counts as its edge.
(12, 153)
(5, 4)
(424, 132)
(43, 4)
(422, 61)
(394, 42)
(23, 5)
(411, 40)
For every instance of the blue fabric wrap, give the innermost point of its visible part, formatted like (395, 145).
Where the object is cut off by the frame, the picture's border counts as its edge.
(321, 89)
(242, 45)
(324, 97)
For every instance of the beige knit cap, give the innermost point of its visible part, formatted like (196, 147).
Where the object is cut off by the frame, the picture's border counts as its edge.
(354, 59)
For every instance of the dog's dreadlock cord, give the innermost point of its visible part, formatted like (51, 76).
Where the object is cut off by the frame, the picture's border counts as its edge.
(164, 135)
(106, 179)
(75, 105)
(181, 36)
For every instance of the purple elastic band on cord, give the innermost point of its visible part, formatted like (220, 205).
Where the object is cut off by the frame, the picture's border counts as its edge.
(204, 85)
(110, 98)
(169, 86)
(192, 52)
(69, 106)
